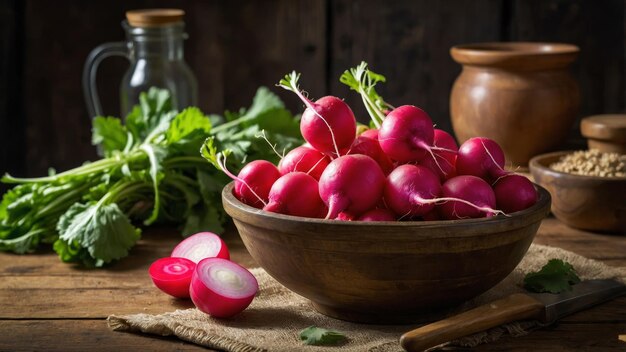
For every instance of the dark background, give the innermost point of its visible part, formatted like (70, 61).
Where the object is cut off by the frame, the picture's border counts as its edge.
(235, 46)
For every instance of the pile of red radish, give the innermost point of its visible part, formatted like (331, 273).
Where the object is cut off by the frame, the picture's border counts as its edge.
(200, 268)
(403, 170)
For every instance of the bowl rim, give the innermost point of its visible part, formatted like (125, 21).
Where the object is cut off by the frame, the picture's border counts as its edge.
(536, 163)
(458, 228)
(517, 48)
(516, 55)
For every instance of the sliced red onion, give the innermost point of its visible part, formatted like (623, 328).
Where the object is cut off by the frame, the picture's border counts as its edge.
(201, 245)
(222, 288)
(172, 275)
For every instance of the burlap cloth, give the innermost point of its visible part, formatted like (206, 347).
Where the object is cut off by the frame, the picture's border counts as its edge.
(276, 316)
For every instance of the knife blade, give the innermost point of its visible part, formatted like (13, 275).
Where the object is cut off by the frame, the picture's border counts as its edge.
(545, 307)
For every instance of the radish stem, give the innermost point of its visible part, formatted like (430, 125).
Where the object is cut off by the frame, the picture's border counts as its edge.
(273, 146)
(363, 81)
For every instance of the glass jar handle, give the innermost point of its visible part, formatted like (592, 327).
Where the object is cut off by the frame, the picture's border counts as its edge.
(89, 73)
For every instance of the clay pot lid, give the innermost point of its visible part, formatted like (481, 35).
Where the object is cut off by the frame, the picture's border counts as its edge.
(516, 55)
(154, 17)
(610, 127)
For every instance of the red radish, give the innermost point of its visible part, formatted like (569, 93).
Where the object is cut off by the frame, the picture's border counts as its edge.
(467, 197)
(378, 215)
(481, 157)
(514, 193)
(253, 184)
(222, 288)
(351, 183)
(201, 245)
(442, 168)
(307, 160)
(296, 193)
(445, 154)
(370, 147)
(172, 275)
(406, 134)
(446, 142)
(371, 133)
(328, 124)
(411, 190)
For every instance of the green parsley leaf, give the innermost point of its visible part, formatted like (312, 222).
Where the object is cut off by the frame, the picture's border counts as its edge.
(152, 116)
(318, 336)
(17, 202)
(72, 252)
(555, 277)
(109, 133)
(190, 124)
(239, 137)
(264, 100)
(23, 244)
(100, 228)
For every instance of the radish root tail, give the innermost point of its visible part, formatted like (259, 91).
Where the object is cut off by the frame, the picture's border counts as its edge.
(491, 156)
(429, 150)
(314, 166)
(442, 200)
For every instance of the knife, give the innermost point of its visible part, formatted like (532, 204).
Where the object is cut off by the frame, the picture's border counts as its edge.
(545, 307)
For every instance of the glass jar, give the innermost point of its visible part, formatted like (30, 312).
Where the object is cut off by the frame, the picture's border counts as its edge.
(154, 47)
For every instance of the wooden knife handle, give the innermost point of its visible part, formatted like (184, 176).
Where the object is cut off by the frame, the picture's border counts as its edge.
(514, 307)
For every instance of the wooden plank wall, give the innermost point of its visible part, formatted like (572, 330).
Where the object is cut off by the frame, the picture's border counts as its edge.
(237, 45)
(11, 116)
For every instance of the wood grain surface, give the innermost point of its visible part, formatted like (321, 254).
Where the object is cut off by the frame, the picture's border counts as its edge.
(408, 42)
(51, 306)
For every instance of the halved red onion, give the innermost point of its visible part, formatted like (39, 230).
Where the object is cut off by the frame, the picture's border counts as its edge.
(201, 245)
(222, 288)
(172, 275)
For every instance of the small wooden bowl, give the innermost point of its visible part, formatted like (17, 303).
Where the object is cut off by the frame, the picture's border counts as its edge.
(584, 202)
(606, 133)
(386, 272)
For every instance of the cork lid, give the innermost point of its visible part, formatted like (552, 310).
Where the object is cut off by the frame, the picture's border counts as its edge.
(604, 127)
(154, 17)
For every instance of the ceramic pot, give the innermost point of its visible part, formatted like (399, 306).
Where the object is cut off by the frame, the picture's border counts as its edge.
(519, 94)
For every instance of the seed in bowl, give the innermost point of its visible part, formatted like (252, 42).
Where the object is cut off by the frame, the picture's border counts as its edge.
(592, 163)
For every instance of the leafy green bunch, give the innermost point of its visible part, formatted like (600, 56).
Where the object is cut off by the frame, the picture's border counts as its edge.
(152, 172)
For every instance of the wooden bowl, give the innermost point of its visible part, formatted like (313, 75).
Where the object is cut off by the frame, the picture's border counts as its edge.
(385, 272)
(606, 133)
(584, 202)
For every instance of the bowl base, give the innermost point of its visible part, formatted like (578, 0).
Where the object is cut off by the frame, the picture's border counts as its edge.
(390, 318)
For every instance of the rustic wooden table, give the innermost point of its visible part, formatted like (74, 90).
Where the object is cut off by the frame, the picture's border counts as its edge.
(46, 305)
